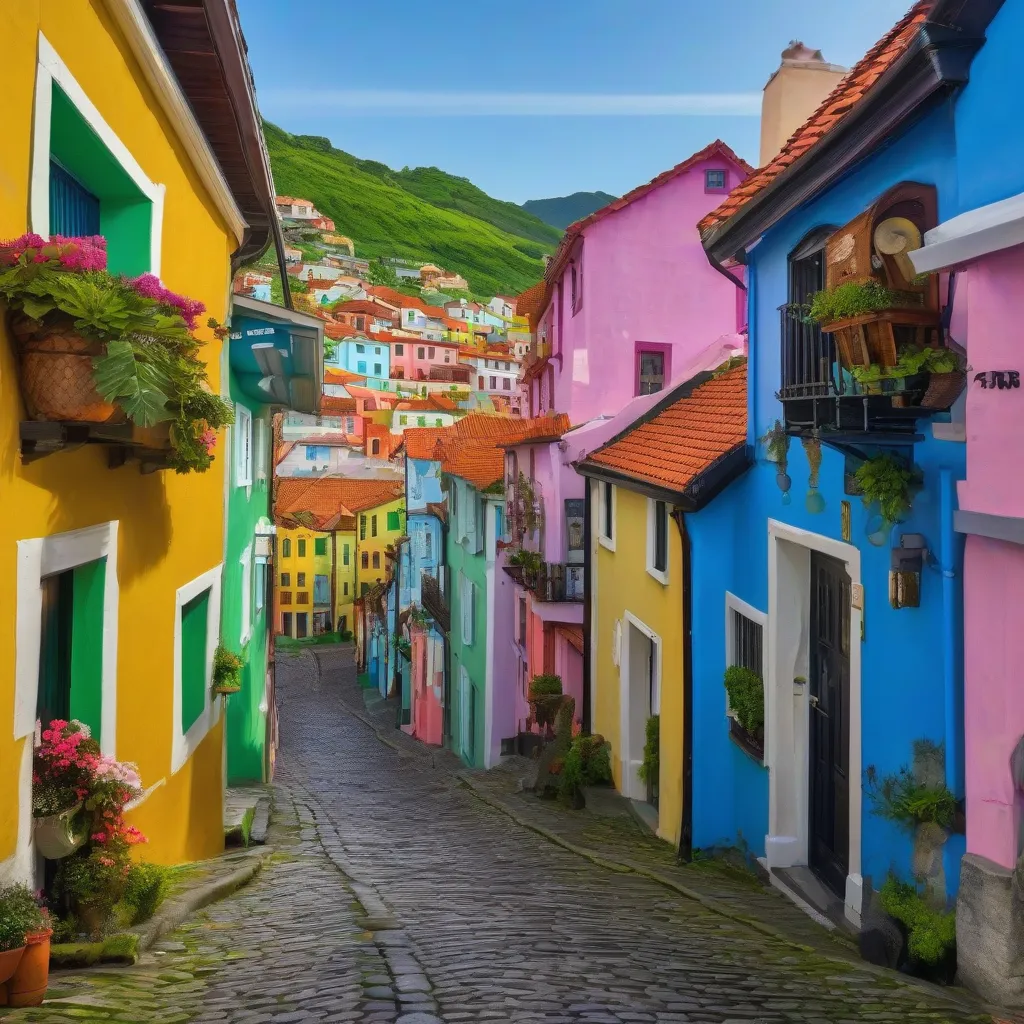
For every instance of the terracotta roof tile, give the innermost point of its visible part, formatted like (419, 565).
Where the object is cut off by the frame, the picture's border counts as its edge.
(685, 439)
(364, 306)
(335, 375)
(333, 405)
(532, 303)
(326, 497)
(846, 95)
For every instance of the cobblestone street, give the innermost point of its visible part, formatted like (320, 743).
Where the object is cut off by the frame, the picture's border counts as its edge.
(395, 893)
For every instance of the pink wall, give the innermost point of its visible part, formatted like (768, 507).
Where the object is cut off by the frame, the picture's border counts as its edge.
(427, 676)
(569, 665)
(411, 364)
(646, 279)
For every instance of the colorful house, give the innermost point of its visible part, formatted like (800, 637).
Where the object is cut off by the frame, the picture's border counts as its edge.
(275, 358)
(833, 602)
(96, 117)
(981, 242)
(643, 483)
(366, 357)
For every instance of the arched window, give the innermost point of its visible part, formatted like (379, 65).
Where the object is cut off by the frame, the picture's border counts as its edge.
(375, 447)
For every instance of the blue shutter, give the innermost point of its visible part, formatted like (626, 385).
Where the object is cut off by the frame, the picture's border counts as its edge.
(74, 211)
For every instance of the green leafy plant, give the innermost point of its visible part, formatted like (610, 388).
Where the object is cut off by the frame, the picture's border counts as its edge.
(650, 767)
(812, 449)
(886, 480)
(586, 763)
(746, 698)
(912, 361)
(227, 669)
(20, 915)
(776, 443)
(851, 300)
(900, 797)
(931, 934)
(529, 561)
(545, 698)
(146, 887)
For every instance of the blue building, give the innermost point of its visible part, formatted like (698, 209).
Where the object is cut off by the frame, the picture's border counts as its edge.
(852, 620)
(366, 356)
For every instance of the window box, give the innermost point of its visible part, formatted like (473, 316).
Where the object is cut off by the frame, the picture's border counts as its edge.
(747, 742)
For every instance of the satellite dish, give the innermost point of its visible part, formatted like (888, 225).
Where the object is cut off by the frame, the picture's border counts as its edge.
(897, 237)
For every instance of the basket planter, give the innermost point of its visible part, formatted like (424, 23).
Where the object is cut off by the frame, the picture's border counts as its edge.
(56, 374)
(863, 340)
(225, 690)
(27, 986)
(944, 389)
(53, 835)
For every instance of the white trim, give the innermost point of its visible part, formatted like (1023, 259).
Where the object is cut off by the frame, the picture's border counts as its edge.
(49, 70)
(242, 431)
(183, 745)
(660, 575)
(734, 604)
(787, 704)
(246, 594)
(161, 78)
(975, 233)
(631, 759)
(606, 536)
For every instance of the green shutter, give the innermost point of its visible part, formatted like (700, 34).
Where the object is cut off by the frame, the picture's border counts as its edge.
(394, 520)
(320, 546)
(193, 659)
(87, 644)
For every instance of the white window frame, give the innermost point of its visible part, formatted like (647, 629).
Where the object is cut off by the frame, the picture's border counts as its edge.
(661, 577)
(259, 586)
(51, 69)
(465, 696)
(246, 584)
(606, 533)
(468, 610)
(243, 446)
(735, 604)
(260, 446)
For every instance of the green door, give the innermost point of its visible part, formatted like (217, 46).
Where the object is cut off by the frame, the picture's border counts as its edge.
(54, 695)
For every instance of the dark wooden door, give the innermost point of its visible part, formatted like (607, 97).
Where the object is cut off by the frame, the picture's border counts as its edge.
(829, 724)
(54, 693)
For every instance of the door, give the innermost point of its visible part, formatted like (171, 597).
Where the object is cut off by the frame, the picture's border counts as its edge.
(54, 694)
(301, 625)
(829, 722)
(286, 623)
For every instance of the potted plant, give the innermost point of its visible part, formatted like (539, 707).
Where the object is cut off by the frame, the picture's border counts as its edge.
(20, 912)
(545, 698)
(62, 771)
(529, 562)
(887, 481)
(227, 671)
(746, 708)
(121, 350)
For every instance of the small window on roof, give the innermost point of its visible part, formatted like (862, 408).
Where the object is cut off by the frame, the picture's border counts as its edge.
(714, 181)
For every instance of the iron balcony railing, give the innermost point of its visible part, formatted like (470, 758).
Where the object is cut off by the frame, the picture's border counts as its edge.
(435, 600)
(557, 581)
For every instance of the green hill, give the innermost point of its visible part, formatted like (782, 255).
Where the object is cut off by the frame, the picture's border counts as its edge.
(565, 210)
(422, 215)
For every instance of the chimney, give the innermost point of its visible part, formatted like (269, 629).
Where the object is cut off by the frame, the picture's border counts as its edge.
(793, 93)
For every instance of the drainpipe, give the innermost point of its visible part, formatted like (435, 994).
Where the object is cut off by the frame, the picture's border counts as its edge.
(685, 851)
(587, 568)
(951, 660)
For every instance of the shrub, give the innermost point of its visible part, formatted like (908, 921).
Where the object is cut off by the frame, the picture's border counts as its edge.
(851, 300)
(545, 686)
(145, 889)
(545, 698)
(227, 667)
(931, 934)
(888, 481)
(20, 914)
(650, 767)
(901, 798)
(746, 697)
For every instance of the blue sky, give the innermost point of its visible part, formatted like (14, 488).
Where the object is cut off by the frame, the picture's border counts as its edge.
(537, 98)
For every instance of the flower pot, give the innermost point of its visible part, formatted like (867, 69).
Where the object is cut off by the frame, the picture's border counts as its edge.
(56, 372)
(9, 961)
(54, 836)
(27, 986)
(224, 690)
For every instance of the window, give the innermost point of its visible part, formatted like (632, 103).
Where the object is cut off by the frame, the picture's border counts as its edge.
(494, 383)
(395, 520)
(344, 589)
(421, 421)
(650, 371)
(350, 425)
(365, 559)
(261, 448)
(361, 366)
(438, 422)
(302, 548)
(363, 589)
(261, 585)
(403, 421)
(606, 515)
(522, 621)
(362, 527)
(74, 210)
(428, 545)
(286, 597)
(373, 525)
(411, 315)
(286, 548)
(243, 446)
(376, 351)
(301, 579)
(320, 546)
(376, 559)
(714, 181)
(302, 597)
(420, 353)
(286, 579)
(446, 355)
(344, 555)
(377, 369)
(343, 620)
(480, 384)
(194, 624)
(430, 353)
(360, 324)
(286, 621)
(466, 595)
(506, 384)
(744, 647)
(375, 446)
(311, 453)
(246, 585)
(657, 540)
(807, 354)
(361, 349)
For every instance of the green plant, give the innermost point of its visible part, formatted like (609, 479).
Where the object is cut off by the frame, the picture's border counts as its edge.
(227, 668)
(247, 819)
(931, 934)
(888, 481)
(545, 698)
(812, 449)
(650, 767)
(545, 686)
(586, 763)
(527, 512)
(746, 698)
(852, 300)
(901, 798)
(529, 561)
(146, 887)
(912, 361)
(776, 443)
(20, 914)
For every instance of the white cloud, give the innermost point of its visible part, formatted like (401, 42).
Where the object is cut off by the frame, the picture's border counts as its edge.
(402, 103)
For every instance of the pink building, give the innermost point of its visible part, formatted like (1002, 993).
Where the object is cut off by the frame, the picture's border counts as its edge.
(629, 306)
(427, 712)
(412, 357)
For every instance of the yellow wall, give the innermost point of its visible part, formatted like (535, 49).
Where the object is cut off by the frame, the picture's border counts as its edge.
(171, 526)
(622, 584)
(371, 544)
(312, 564)
(345, 574)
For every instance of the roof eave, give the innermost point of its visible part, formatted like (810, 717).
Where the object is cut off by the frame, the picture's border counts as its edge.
(937, 62)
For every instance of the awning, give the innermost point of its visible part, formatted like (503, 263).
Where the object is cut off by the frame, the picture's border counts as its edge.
(973, 234)
(277, 354)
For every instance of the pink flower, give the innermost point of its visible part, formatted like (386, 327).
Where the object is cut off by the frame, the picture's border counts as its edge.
(149, 287)
(208, 439)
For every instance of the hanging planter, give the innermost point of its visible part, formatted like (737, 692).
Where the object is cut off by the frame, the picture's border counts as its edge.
(227, 671)
(887, 482)
(776, 443)
(56, 836)
(815, 501)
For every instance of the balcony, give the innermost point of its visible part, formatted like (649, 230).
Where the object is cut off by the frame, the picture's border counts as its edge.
(866, 403)
(435, 601)
(553, 581)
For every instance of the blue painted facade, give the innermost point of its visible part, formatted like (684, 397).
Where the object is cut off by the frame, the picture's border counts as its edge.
(363, 356)
(910, 678)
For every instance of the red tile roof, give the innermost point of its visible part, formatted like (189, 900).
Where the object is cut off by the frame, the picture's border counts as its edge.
(334, 405)
(420, 441)
(837, 105)
(686, 438)
(539, 428)
(327, 497)
(533, 302)
(717, 149)
(364, 306)
(336, 375)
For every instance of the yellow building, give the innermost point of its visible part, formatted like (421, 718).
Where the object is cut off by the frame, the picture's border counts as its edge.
(110, 604)
(643, 483)
(332, 536)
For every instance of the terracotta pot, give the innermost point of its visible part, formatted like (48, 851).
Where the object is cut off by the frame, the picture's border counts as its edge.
(53, 835)
(9, 961)
(27, 986)
(56, 372)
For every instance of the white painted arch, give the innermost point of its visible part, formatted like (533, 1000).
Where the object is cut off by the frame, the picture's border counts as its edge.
(632, 753)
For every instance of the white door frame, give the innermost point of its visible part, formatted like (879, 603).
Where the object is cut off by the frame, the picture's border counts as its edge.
(632, 786)
(787, 702)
